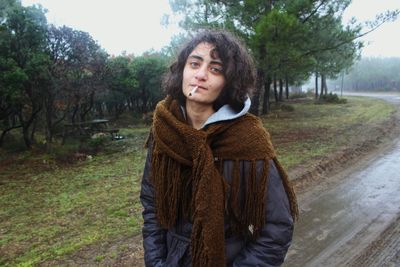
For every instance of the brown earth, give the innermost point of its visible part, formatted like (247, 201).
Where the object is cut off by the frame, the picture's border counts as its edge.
(128, 251)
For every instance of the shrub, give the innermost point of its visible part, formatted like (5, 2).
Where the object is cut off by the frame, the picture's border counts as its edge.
(332, 98)
(285, 107)
(298, 95)
(98, 141)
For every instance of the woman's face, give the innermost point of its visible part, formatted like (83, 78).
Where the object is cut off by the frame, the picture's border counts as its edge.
(204, 70)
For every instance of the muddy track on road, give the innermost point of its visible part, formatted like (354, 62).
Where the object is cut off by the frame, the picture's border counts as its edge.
(383, 251)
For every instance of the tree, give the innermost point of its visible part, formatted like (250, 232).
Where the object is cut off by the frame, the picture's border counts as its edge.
(122, 84)
(337, 47)
(77, 72)
(198, 14)
(278, 43)
(24, 63)
(134, 83)
(148, 70)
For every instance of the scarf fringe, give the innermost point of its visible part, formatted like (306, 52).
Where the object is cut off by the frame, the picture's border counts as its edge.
(167, 182)
(249, 208)
(199, 250)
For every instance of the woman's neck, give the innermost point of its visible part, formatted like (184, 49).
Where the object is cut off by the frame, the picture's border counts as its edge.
(197, 114)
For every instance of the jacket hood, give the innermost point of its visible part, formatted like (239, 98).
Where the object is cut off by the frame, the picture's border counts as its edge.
(227, 113)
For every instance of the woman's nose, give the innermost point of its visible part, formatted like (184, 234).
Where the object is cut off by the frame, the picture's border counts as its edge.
(201, 73)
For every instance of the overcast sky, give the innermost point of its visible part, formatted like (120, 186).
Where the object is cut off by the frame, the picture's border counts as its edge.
(135, 26)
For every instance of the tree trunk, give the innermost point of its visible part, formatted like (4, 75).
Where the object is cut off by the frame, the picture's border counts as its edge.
(287, 88)
(322, 86)
(267, 90)
(74, 112)
(89, 107)
(49, 105)
(26, 124)
(34, 124)
(25, 131)
(276, 90)
(316, 85)
(325, 85)
(280, 90)
(145, 99)
(341, 85)
(255, 100)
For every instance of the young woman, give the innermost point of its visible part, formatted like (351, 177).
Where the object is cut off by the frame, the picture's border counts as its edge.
(213, 191)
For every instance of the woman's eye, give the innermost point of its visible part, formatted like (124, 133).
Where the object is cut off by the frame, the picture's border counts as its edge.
(194, 64)
(216, 70)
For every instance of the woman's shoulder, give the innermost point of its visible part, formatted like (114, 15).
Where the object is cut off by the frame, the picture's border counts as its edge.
(251, 122)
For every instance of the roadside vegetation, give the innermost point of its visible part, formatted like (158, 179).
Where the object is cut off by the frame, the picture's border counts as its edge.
(76, 198)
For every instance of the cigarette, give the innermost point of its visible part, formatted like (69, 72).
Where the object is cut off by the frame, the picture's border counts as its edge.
(193, 90)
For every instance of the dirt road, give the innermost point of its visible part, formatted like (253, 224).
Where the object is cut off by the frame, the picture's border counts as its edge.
(352, 218)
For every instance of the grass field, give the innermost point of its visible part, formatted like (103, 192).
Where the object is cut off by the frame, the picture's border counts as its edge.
(314, 130)
(50, 209)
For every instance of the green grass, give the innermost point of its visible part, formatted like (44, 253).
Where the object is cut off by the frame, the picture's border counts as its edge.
(314, 130)
(49, 211)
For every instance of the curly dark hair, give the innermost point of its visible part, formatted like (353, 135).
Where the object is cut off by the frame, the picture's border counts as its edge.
(238, 69)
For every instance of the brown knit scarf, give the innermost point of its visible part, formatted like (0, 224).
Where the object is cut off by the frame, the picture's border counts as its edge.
(187, 177)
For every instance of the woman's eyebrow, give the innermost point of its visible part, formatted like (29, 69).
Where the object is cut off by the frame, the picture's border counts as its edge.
(196, 57)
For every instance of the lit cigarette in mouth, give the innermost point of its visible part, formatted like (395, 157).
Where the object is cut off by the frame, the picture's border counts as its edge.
(193, 90)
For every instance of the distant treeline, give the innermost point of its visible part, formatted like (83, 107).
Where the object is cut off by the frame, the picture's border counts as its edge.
(371, 74)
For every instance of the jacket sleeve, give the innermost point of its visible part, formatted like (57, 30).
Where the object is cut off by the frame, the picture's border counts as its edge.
(154, 237)
(271, 247)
